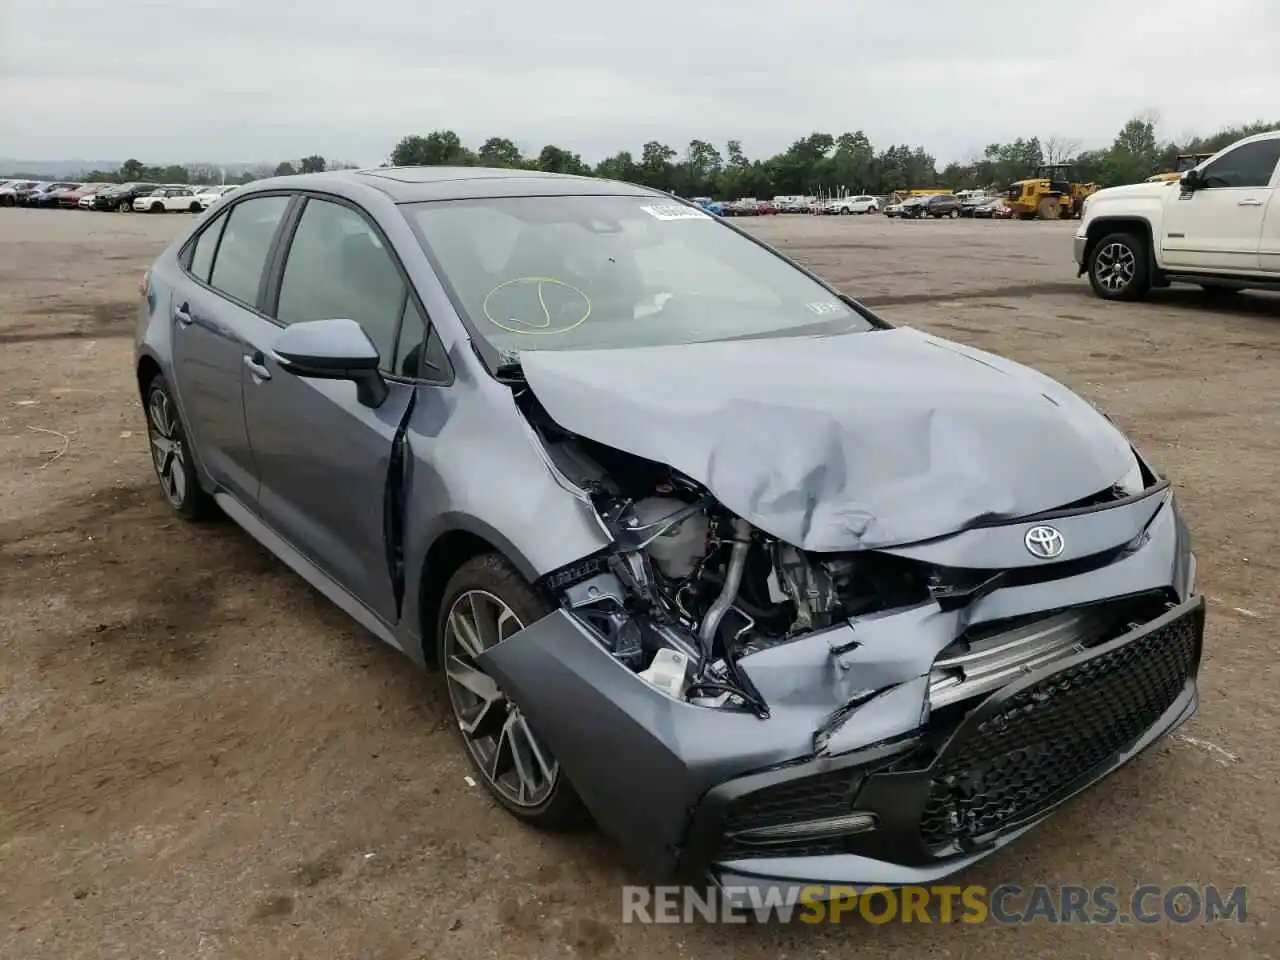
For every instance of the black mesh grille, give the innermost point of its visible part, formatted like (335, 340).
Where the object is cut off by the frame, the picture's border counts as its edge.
(1057, 733)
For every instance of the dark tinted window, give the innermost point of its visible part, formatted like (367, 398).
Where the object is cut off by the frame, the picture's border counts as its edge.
(206, 246)
(410, 345)
(1248, 166)
(338, 267)
(246, 240)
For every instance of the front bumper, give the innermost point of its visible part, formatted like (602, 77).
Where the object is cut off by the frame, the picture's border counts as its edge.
(691, 778)
(1078, 244)
(938, 809)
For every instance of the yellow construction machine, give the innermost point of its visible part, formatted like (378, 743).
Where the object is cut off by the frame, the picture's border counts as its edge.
(1185, 162)
(1049, 194)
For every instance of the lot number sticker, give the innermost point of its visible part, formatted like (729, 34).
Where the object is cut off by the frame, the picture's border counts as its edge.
(675, 211)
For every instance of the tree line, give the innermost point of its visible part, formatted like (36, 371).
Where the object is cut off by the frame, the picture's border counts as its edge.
(824, 164)
(820, 164)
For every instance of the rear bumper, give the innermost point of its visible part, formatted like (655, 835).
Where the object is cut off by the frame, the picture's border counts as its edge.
(940, 807)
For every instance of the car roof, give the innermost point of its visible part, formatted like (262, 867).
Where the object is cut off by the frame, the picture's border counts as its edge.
(416, 184)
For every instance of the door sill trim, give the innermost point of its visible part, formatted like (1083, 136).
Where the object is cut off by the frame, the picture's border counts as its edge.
(299, 564)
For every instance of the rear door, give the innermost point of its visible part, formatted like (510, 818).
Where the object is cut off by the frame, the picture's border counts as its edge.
(324, 458)
(1219, 227)
(214, 307)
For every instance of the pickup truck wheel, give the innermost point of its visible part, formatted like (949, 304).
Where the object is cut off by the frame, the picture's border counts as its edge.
(1118, 267)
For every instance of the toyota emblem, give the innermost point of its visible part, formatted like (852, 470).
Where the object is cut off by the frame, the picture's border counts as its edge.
(1044, 542)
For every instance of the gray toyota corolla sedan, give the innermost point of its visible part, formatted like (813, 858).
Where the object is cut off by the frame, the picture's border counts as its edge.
(773, 590)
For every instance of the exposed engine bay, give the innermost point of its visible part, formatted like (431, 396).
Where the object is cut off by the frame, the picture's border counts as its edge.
(688, 588)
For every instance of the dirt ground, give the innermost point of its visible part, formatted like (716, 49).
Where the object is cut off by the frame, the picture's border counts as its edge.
(200, 757)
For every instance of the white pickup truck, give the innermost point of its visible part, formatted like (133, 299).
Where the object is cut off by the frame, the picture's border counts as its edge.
(1218, 226)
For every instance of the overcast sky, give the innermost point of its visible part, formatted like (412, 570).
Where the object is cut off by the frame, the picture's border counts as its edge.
(270, 79)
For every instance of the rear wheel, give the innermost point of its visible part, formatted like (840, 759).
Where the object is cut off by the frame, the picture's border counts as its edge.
(171, 455)
(485, 602)
(1119, 268)
(955, 214)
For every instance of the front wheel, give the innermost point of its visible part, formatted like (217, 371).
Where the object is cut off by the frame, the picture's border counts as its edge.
(485, 602)
(1119, 268)
(157, 208)
(195, 208)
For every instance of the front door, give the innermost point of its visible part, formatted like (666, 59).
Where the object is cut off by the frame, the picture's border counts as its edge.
(212, 310)
(1218, 227)
(323, 458)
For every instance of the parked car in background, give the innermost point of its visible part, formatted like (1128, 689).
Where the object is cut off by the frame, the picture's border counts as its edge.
(936, 206)
(746, 207)
(49, 194)
(208, 196)
(122, 197)
(766, 209)
(74, 199)
(993, 208)
(904, 208)
(854, 204)
(778, 592)
(15, 191)
(1216, 227)
(168, 200)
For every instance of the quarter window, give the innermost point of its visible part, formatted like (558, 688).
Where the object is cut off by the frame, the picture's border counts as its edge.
(1250, 165)
(206, 246)
(338, 268)
(246, 241)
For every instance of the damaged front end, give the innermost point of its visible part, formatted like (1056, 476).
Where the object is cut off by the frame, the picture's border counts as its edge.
(727, 703)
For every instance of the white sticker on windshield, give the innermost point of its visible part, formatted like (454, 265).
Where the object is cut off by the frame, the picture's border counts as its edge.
(675, 211)
(827, 308)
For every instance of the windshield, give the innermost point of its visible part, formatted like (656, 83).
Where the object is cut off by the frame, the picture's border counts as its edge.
(565, 273)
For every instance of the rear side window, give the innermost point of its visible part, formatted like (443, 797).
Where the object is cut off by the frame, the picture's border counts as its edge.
(206, 246)
(338, 268)
(246, 241)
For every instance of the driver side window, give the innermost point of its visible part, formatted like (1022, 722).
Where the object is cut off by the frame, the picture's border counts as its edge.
(1250, 165)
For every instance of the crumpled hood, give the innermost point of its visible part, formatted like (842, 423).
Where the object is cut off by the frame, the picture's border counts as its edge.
(849, 442)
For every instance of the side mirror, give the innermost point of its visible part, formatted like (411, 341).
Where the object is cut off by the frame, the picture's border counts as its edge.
(333, 350)
(1191, 180)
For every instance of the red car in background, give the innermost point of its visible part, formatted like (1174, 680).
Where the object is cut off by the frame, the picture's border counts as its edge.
(765, 208)
(72, 198)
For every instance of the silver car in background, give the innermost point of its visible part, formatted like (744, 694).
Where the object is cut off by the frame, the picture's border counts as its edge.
(773, 590)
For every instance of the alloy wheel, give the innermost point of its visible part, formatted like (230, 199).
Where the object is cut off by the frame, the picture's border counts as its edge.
(1115, 266)
(167, 451)
(496, 733)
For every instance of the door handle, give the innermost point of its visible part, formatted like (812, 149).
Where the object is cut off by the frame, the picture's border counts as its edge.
(257, 366)
(183, 315)
(1250, 203)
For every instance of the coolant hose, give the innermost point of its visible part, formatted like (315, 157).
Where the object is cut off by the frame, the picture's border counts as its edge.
(729, 592)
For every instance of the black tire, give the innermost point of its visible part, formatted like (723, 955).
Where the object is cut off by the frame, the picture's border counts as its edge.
(1120, 267)
(195, 208)
(173, 464)
(157, 208)
(493, 574)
